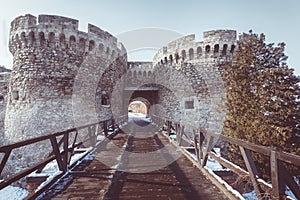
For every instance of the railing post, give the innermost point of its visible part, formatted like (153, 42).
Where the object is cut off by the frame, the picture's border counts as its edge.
(276, 175)
(181, 135)
(92, 134)
(105, 124)
(207, 149)
(169, 127)
(66, 151)
(196, 144)
(57, 154)
(113, 124)
(201, 140)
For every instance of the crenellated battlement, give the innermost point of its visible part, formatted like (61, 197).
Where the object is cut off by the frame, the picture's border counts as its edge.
(216, 44)
(61, 32)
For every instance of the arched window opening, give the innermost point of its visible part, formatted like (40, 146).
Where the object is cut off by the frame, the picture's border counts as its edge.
(42, 38)
(144, 74)
(232, 48)
(18, 41)
(105, 100)
(140, 73)
(72, 41)
(15, 95)
(166, 60)
(23, 39)
(62, 40)
(91, 45)
(51, 39)
(216, 48)
(224, 51)
(183, 54)
(199, 52)
(101, 48)
(161, 61)
(31, 38)
(134, 74)
(207, 49)
(149, 74)
(113, 53)
(176, 57)
(171, 58)
(1, 98)
(107, 51)
(191, 53)
(129, 74)
(82, 44)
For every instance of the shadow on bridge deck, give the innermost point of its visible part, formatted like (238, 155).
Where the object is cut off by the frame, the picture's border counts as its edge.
(141, 166)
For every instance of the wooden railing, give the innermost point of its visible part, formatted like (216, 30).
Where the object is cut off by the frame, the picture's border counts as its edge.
(280, 175)
(61, 151)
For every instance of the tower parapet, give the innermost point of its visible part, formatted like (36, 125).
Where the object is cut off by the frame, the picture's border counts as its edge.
(216, 44)
(59, 32)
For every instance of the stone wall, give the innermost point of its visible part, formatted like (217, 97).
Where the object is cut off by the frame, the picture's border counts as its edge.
(139, 74)
(197, 87)
(57, 72)
(63, 77)
(4, 80)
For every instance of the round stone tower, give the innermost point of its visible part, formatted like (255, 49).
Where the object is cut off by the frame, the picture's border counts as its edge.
(56, 73)
(198, 95)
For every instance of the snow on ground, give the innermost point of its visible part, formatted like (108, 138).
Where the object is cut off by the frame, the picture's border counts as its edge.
(140, 116)
(12, 193)
(250, 196)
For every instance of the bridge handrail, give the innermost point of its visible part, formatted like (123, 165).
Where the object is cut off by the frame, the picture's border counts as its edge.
(62, 157)
(277, 158)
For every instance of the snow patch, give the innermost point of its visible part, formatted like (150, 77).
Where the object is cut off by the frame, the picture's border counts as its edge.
(228, 187)
(250, 196)
(13, 193)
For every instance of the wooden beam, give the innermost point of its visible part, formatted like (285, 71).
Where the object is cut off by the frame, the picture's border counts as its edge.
(252, 170)
(57, 154)
(4, 160)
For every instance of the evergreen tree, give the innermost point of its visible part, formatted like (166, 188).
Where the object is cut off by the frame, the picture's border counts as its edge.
(262, 99)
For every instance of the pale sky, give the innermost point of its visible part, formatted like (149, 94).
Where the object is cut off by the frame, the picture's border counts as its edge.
(278, 19)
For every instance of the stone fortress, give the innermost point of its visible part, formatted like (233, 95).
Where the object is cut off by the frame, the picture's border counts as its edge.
(63, 77)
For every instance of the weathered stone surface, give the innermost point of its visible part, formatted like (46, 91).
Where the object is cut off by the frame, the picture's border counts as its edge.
(63, 77)
(57, 74)
(195, 94)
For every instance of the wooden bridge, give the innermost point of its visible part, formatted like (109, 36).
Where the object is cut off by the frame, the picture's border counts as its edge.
(140, 160)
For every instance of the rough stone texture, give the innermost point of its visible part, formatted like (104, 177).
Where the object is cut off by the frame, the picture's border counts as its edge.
(56, 75)
(4, 80)
(139, 74)
(197, 88)
(63, 77)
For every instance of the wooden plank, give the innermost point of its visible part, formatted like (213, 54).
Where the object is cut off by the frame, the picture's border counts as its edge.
(181, 135)
(65, 156)
(201, 140)
(4, 160)
(207, 149)
(252, 170)
(274, 176)
(57, 154)
(196, 144)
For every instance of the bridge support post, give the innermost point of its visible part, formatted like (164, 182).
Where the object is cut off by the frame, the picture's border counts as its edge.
(105, 124)
(196, 144)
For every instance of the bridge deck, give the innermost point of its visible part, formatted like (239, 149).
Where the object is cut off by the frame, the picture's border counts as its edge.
(136, 164)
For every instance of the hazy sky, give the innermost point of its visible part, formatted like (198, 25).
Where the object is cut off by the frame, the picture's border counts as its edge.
(278, 19)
